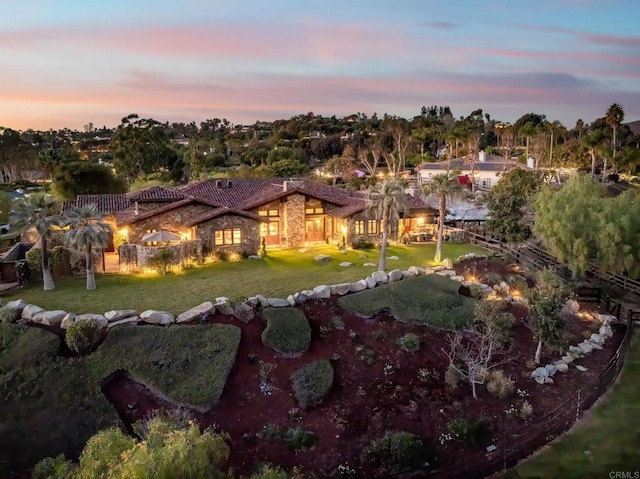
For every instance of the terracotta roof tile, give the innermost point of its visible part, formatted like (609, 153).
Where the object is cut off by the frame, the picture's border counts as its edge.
(157, 193)
(106, 204)
(129, 216)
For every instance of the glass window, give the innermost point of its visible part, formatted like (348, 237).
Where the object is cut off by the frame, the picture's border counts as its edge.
(308, 211)
(372, 227)
(227, 237)
(359, 227)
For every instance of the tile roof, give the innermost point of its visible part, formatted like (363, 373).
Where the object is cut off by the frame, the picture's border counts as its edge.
(129, 216)
(209, 215)
(106, 204)
(156, 193)
(348, 210)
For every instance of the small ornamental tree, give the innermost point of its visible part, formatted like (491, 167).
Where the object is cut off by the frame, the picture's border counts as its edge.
(82, 335)
(546, 301)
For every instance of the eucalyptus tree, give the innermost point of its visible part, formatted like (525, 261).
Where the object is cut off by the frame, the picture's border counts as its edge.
(386, 199)
(39, 213)
(444, 186)
(86, 231)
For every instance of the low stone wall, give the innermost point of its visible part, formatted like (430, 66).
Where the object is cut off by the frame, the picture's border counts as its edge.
(134, 257)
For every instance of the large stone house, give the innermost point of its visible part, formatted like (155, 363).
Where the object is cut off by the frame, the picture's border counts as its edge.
(241, 214)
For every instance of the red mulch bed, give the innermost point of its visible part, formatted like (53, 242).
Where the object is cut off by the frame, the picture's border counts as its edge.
(365, 402)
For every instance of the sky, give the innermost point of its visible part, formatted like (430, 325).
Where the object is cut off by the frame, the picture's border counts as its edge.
(68, 63)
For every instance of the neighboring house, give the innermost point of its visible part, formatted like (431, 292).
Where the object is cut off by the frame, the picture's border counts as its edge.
(487, 171)
(241, 214)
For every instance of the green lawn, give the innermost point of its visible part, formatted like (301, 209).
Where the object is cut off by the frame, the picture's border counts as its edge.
(431, 300)
(282, 273)
(606, 440)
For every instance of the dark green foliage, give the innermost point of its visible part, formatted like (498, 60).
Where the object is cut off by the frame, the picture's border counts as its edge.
(52, 468)
(473, 433)
(82, 335)
(362, 243)
(34, 261)
(166, 358)
(495, 320)
(9, 315)
(161, 260)
(365, 354)
(287, 331)
(431, 300)
(508, 203)
(312, 382)
(398, 451)
(410, 342)
(299, 438)
(82, 178)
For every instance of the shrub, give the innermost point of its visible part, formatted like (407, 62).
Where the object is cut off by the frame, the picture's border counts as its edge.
(526, 410)
(287, 331)
(475, 291)
(493, 278)
(398, 451)
(52, 468)
(362, 243)
(34, 260)
(472, 433)
(410, 342)
(496, 321)
(220, 255)
(518, 283)
(312, 382)
(499, 385)
(299, 438)
(161, 260)
(82, 335)
(379, 335)
(365, 354)
(9, 315)
(270, 432)
(337, 322)
(451, 378)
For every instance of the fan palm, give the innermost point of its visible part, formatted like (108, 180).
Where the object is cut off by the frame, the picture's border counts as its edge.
(39, 213)
(614, 118)
(87, 230)
(444, 185)
(387, 199)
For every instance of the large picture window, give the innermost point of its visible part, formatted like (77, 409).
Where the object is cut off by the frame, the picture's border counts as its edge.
(227, 237)
(359, 227)
(372, 227)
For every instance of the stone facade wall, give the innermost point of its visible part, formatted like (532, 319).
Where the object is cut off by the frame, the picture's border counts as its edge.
(250, 231)
(170, 221)
(135, 257)
(294, 219)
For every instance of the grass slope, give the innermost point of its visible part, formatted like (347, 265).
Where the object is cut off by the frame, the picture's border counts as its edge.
(50, 404)
(430, 300)
(283, 272)
(610, 432)
(189, 364)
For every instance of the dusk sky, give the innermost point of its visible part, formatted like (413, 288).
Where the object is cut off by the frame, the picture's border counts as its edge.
(68, 63)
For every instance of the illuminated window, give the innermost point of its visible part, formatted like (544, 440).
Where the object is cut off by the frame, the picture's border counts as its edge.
(359, 227)
(269, 213)
(372, 227)
(227, 237)
(269, 229)
(314, 211)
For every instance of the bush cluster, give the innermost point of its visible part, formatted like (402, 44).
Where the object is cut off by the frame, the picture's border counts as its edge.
(500, 385)
(398, 451)
(362, 243)
(9, 315)
(472, 433)
(294, 438)
(82, 335)
(287, 331)
(312, 382)
(410, 342)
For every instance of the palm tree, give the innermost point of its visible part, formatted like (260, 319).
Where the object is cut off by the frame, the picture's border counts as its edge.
(614, 118)
(444, 185)
(38, 212)
(87, 230)
(387, 199)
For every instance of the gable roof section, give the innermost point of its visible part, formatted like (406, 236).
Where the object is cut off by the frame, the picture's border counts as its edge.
(129, 216)
(219, 192)
(157, 193)
(209, 215)
(106, 204)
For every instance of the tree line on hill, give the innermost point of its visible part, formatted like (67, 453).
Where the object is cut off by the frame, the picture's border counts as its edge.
(142, 151)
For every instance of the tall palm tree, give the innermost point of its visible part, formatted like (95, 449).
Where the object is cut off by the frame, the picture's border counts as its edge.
(614, 118)
(444, 185)
(86, 231)
(387, 199)
(40, 213)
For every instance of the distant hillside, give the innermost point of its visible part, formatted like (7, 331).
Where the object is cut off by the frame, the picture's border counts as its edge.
(634, 126)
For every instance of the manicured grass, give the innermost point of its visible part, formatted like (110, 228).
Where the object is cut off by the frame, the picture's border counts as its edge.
(312, 382)
(605, 441)
(282, 273)
(50, 404)
(189, 364)
(287, 331)
(431, 300)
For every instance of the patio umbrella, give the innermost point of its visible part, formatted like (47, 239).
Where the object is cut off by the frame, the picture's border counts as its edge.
(162, 236)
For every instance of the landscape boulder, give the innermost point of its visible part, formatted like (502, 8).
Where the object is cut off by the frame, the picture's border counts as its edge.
(394, 258)
(17, 305)
(131, 321)
(415, 271)
(201, 311)
(68, 320)
(562, 367)
(291, 300)
(446, 272)
(300, 297)
(358, 286)
(567, 359)
(371, 282)
(322, 258)
(345, 264)
(381, 277)
(585, 347)
(157, 317)
(322, 291)
(118, 314)
(606, 331)
(447, 263)
(100, 319)
(278, 303)
(224, 306)
(597, 339)
(395, 275)
(551, 368)
(340, 289)
(571, 306)
(53, 318)
(31, 312)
